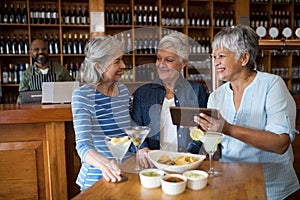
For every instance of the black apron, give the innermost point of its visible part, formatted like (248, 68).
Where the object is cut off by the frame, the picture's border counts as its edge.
(37, 80)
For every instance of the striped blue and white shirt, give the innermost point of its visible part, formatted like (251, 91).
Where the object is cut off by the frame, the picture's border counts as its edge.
(266, 105)
(95, 116)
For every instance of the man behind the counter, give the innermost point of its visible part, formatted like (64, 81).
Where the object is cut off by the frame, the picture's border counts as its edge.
(42, 70)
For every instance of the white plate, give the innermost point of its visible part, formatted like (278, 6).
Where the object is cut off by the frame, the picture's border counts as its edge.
(261, 31)
(273, 32)
(287, 32)
(154, 155)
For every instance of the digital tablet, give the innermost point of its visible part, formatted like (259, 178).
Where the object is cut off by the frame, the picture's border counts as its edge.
(184, 116)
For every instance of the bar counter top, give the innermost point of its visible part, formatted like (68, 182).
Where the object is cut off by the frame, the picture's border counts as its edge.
(33, 113)
(237, 181)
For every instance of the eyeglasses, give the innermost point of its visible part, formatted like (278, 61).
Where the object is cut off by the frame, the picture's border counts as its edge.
(37, 49)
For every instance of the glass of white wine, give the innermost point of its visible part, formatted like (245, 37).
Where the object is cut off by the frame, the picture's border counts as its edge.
(210, 142)
(137, 135)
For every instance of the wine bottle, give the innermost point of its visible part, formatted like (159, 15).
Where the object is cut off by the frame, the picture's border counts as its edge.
(1, 16)
(107, 20)
(64, 44)
(128, 19)
(73, 16)
(135, 15)
(5, 14)
(46, 40)
(14, 45)
(21, 72)
(18, 14)
(56, 44)
(48, 15)
(37, 14)
(150, 16)
(112, 16)
(75, 44)
(79, 16)
(26, 44)
(155, 16)
(68, 16)
(32, 14)
(5, 75)
(51, 44)
(140, 16)
(117, 16)
(54, 15)
(12, 14)
(145, 16)
(80, 45)
(2, 45)
(86, 16)
(122, 16)
(21, 45)
(42, 14)
(24, 19)
(69, 45)
(63, 15)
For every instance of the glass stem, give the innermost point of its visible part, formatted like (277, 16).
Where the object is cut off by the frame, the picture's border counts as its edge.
(211, 168)
(137, 166)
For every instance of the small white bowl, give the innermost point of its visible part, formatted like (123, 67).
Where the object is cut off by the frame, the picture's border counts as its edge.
(196, 179)
(151, 178)
(173, 188)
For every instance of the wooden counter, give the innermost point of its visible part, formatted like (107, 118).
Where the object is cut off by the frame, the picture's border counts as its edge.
(33, 151)
(238, 181)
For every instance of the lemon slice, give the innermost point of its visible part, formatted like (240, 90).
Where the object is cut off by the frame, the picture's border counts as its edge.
(119, 141)
(196, 133)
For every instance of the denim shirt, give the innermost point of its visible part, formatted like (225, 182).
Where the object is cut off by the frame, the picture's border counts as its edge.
(147, 105)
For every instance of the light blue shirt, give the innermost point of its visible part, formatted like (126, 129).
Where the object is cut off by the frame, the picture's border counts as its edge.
(96, 115)
(266, 105)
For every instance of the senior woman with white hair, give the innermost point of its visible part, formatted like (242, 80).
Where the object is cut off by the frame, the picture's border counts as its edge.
(151, 102)
(100, 107)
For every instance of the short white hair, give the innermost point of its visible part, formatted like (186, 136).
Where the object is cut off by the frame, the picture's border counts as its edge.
(177, 43)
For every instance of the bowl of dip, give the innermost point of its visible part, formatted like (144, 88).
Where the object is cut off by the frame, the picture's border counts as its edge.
(151, 178)
(173, 184)
(196, 179)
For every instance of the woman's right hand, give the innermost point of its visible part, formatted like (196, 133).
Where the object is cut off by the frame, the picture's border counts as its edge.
(111, 171)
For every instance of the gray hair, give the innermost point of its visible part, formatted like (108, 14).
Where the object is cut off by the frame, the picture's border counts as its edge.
(101, 50)
(177, 43)
(239, 39)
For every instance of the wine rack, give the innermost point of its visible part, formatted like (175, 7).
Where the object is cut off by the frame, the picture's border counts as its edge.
(280, 51)
(140, 25)
(25, 20)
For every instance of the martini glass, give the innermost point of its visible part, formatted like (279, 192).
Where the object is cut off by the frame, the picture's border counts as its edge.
(118, 147)
(137, 135)
(210, 142)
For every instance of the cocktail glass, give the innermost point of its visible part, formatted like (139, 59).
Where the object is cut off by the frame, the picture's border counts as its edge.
(210, 142)
(118, 146)
(137, 135)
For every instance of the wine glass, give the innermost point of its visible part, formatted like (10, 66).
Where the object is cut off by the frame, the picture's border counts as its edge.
(118, 146)
(210, 142)
(137, 135)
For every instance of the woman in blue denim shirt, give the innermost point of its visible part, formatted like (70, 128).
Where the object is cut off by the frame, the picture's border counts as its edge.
(151, 102)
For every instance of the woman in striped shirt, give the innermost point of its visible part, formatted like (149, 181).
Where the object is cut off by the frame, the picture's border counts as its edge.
(100, 107)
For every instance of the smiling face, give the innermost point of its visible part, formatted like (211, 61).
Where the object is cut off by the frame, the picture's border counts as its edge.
(228, 66)
(39, 52)
(113, 72)
(168, 66)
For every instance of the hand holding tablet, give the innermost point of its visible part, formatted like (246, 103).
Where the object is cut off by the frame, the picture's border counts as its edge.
(184, 116)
